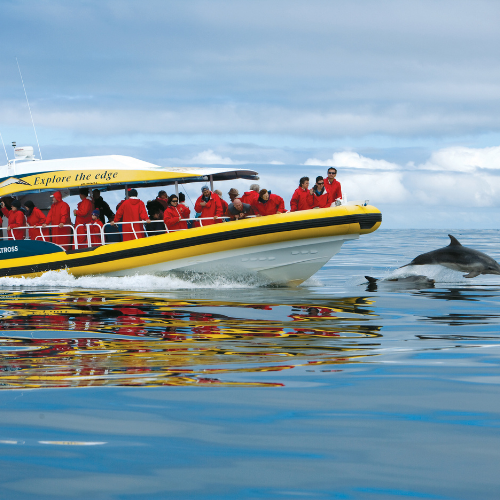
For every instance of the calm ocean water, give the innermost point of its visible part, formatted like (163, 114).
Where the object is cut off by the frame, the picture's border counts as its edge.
(165, 388)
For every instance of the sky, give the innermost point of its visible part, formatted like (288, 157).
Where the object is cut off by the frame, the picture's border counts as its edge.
(402, 97)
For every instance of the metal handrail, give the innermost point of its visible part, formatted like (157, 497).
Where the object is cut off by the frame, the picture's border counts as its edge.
(42, 236)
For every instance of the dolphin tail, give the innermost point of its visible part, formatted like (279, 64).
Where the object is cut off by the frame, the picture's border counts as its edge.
(370, 279)
(454, 242)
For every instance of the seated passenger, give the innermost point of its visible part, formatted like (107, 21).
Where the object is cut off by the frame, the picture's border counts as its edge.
(251, 196)
(268, 204)
(302, 198)
(172, 217)
(321, 197)
(233, 193)
(238, 210)
(162, 199)
(155, 212)
(95, 229)
(132, 210)
(16, 219)
(36, 219)
(209, 207)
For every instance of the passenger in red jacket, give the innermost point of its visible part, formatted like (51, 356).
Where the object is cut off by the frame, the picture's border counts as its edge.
(251, 196)
(302, 199)
(268, 204)
(321, 197)
(208, 205)
(172, 216)
(132, 210)
(83, 215)
(36, 219)
(332, 185)
(223, 202)
(16, 219)
(59, 215)
(95, 229)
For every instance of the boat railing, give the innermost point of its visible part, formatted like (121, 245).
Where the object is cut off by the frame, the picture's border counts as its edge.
(104, 236)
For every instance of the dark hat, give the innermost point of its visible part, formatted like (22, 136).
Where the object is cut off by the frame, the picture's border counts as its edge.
(16, 203)
(29, 204)
(132, 192)
(84, 191)
(96, 212)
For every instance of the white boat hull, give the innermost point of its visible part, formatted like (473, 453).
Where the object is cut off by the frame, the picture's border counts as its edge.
(288, 262)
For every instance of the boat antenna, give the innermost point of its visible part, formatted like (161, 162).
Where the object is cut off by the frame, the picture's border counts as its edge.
(22, 81)
(4, 148)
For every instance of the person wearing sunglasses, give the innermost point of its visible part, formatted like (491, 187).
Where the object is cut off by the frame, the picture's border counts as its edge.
(321, 197)
(172, 216)
(332, 185)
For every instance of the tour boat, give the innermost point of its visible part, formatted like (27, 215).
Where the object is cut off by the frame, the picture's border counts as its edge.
(281, 249)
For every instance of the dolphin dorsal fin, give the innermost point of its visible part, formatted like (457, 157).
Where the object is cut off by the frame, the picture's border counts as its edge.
(454, 241)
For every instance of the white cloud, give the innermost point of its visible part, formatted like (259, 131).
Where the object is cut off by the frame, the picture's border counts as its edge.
(208, 157)
(350, 159)
(462, 159)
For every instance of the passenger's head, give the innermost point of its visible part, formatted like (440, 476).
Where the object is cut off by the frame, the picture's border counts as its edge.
(332, 172)
(304, 182)
(218, 192)
(57, 196)
(254, 187)
(84, 192)
(15, 205)
(173, 200)
(96, 194)
(263, 194)
(319, 180)
(95, 214)
(205, 191)
(237, 204)
(162, 195)
(29, 206)
(182, 197)
(132, 192)
(233, 193)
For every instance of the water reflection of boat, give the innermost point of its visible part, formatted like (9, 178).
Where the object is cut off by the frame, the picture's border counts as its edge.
(81, 339)
(283, 249)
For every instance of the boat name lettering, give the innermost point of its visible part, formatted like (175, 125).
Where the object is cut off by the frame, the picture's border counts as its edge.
(81, 176)
(8, 249)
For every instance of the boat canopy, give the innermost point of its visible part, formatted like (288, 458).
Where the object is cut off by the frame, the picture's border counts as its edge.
(106, 173)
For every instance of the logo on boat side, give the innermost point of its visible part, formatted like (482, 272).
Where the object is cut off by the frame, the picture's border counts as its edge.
(82, 177)
(13, 180)
(8, 249)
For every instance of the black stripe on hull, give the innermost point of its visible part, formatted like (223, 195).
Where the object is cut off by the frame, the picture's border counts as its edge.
(365, 221)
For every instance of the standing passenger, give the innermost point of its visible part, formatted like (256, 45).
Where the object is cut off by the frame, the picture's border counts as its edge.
(238, 210)
(185, 210)
(36, 219)
(222, 201)
(83, 215)
(102, 206)
(162, 199)
(16, 219)
(59, 216)
(132, 210)
(302, 198)
(332, 185)
(233, 194)
(209, 206)
(321, 196)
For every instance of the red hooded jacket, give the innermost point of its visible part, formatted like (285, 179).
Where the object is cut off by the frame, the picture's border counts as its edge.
(171, 218)
(333, 189)
(59, 214)
(16, 219)
(213, 208)
(323, 200)
(83, 216)
(35, 220)
(132, 210)
(95, 232)
(301, 200)
(249, 197)
(272, 206)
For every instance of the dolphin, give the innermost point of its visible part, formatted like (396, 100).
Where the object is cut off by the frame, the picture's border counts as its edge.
(459, 258)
